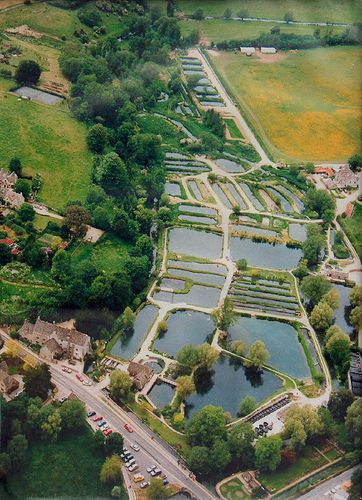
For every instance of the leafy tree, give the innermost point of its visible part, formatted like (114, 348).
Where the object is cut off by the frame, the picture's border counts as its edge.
(225, 315)
(355, 317)
(314, 244)
(268, 453)
(301, 423)
(5, 465)
(322, 316)
(5, 254)
(114, 444)
(247, 405)
(214, 122)
(200, 460)
(238, 347)
(356, 295)
(314, 287)
(331, 298)
(15, 166)
(243, 13)
(242, 265)
(228, 13)
(188, 356)
(111, 174)
(206, 427)
(288, 17)
(353, 425)
(355, 162)
(90, 18)
(339, 402)
(198, 14)
(17, 451)
(145, 148)
(309, 167)
(144, 247)
(157, 490)
(23, 186)
(208, 355)
(73, 414)
(52, 426)
(111, 470)
(149, 72)
(258, 355)
(185, 386)
(97, 138)
(321, 202)
(120, 385)
(98, 440)
(37, 381)
(61, 265)
(338, 349)
(356, 485)
(221, 456)
(28, 72)
(76, 219)
(126, 321)
(26, 212)
(240, 439)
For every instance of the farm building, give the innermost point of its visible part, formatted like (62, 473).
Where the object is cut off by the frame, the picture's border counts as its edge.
(247, 50)
(268, 50)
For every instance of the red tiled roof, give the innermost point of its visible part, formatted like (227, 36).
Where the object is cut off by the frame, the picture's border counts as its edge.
(349, 210)
(325, 170)
(7, 241)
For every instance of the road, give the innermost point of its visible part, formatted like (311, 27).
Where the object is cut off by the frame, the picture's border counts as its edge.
(153, 449)
(323, 491)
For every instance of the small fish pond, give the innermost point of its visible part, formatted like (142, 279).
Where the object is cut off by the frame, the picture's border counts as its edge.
(263, 254)
(198, 295)
(188, 241)
(227, 383)
(184, 327)
(172, 189)
(195, 209)
(161, 394)
(197, 220)
(127, 347)
(229, 166)
(344, 308)
(298, 232)
(281, 340)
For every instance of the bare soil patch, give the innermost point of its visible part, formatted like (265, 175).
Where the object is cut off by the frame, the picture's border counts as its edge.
(270, 58)
(4, 4)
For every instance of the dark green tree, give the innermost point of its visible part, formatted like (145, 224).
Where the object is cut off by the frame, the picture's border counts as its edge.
(28, 72)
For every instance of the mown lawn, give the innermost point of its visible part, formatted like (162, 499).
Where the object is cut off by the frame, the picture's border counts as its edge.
(108, 253)
(307, 461)
(353, 228)
(49, 142)
(233, 129)
(69, 467)
(305, 105)
(307, 10)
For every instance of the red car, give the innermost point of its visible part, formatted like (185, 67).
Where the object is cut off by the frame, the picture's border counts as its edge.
(107, 432)
(128, 428)
(97, 419)
(79, 377)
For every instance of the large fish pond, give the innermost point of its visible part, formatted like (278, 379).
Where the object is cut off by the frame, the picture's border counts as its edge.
(281, 340)
(225, 385)
(197, 243)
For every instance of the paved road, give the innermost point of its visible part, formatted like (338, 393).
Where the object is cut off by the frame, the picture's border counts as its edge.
(153, 449)
(323, 491)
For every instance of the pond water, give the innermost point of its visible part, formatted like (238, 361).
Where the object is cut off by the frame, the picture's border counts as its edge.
(281, 340)
(222, 196)
(198, 266)
(199, 295)
(204, 81)
(193, 72)
(178, 124)
(298, 232)
(127, 347)
(213, 279)
(286, 206)
(185, 327)
(253, 230)
(212, 103)
(263, 254)
(237, 197)
(172, 189)
(205, 89)
(194, 188)
(343, 311)
(197, 210)
(229, 165)
(177, 156)
(172, 283)
(188, 162)
(161, 394)
(187, 168)
(197, 220)
(189, 65)
(188, 241)
(39, 95)
(298, 202)
(227, 384)
(257, 204)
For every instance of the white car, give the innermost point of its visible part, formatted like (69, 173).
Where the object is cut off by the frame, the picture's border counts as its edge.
(150, 469)
(135, 447)
(133, 467)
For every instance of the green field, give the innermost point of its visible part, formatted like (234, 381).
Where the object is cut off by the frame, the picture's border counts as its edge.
(306, 10)
(49, 142)
(353, 228)
(218, 30)
(304, 105)
(108, 253)
(233, 490)
(68, 468)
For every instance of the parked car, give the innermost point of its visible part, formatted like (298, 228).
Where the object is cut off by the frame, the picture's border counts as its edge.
(130, 462)
(151, 468)
(128, 428)
(135, 447)
(107, 432)
(137, 478)
(155, 472)
(79, 377)
(91, 413)
(101, 423)
(144, 484)
(105, 427)
(97, 419)
(133, 467)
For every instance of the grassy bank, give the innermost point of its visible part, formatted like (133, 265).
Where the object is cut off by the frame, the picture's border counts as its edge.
(353, 228)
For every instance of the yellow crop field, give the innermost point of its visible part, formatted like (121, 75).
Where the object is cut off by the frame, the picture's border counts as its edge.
(304, 105)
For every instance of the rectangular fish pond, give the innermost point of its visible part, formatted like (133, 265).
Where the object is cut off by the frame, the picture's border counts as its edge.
(298, 232)
(197, 220)
(199, 277)
(184, 327)
(263, 254)
(198, 295)
(195, 209)
(127, 347)
(229, 166)
(198, 266)
(189, 241)
(254, 200)
(344, 309)
(254, 230)
(227, 383)
(195, 191)
(281, 340)
(173, 189)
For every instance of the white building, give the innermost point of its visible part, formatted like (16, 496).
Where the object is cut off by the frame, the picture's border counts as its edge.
(268, 50)
(247, 50)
